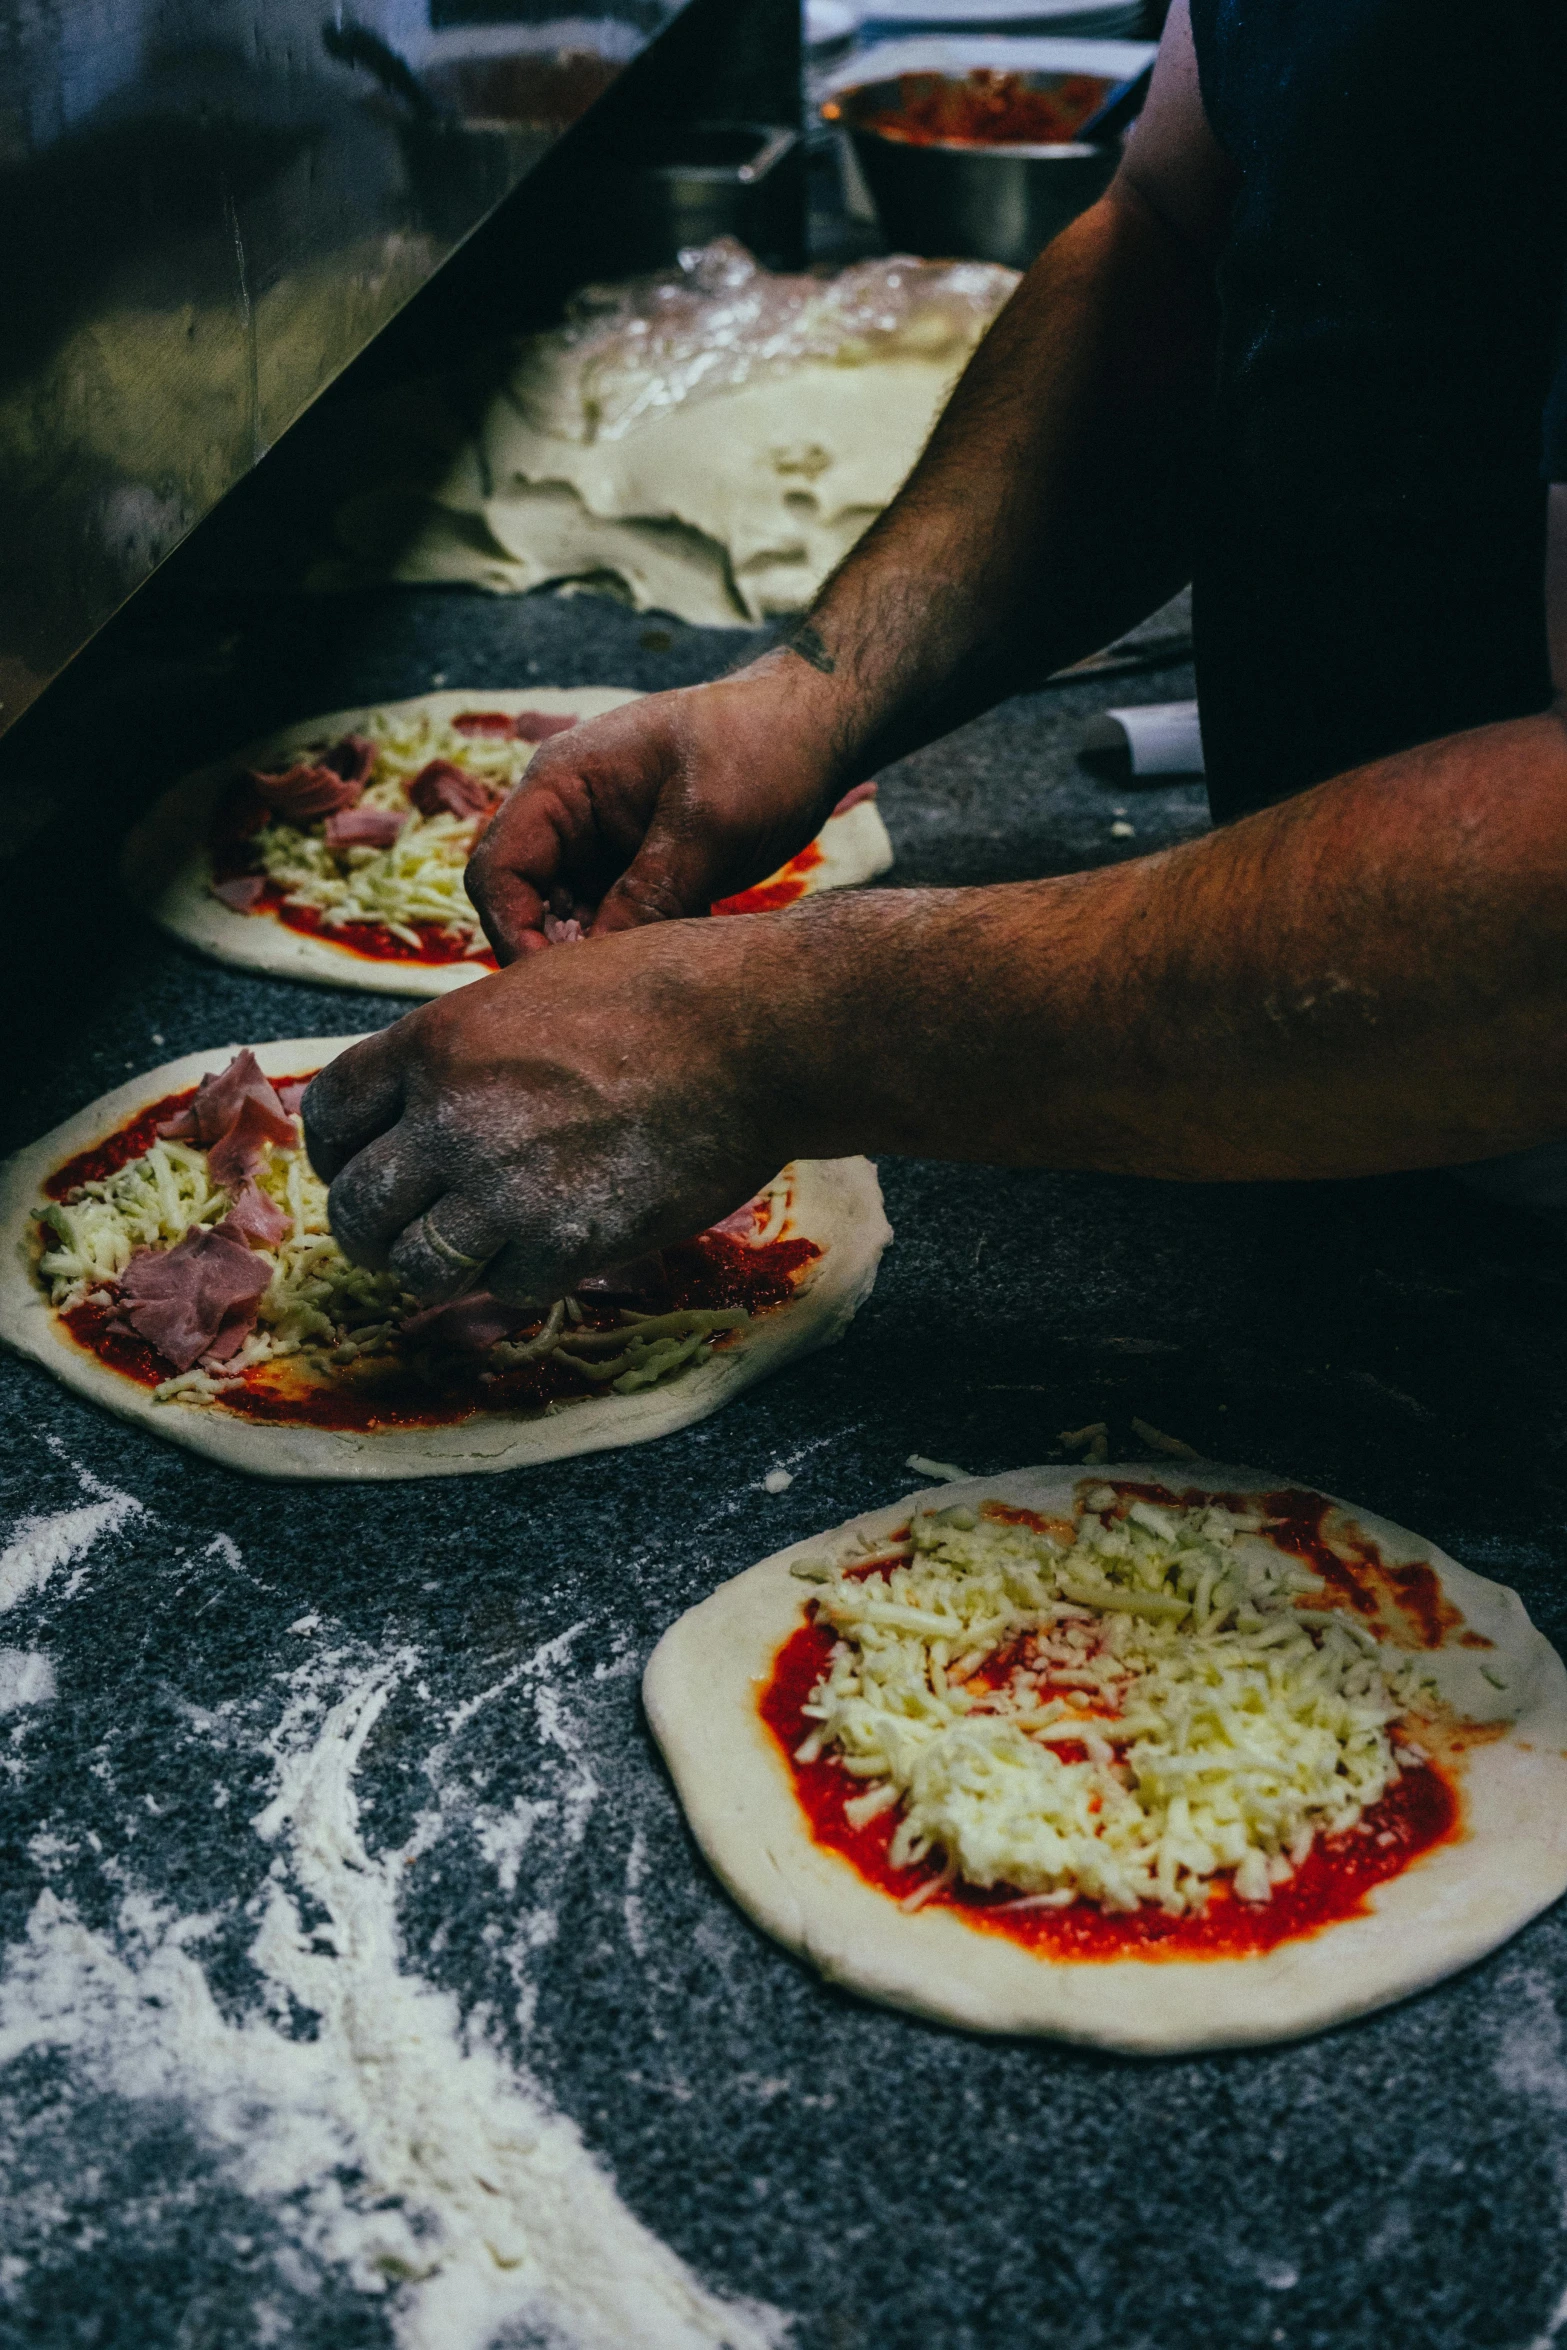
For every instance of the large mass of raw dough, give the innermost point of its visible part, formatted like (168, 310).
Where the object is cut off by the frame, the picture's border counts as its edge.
(709, 443)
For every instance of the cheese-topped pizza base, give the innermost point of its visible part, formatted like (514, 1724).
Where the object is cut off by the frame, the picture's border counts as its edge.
(834, 1202)
(168, 865)
(168, 860)
(1446, 1910)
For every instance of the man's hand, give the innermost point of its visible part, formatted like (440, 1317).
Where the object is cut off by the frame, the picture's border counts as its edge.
(565, 1115)
(1372, 976)
(651, 812)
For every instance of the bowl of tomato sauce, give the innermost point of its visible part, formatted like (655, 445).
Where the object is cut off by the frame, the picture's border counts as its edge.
(985, 166)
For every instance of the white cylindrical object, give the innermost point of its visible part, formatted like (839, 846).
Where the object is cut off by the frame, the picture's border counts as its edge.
(1160, 738)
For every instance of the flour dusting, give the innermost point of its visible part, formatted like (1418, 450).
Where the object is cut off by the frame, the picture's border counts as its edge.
(39, 1545)
(1553, 2327)
(1532, 2061)
(26, 1678)
(631, 1905)
(408, 2150)
(503, 1837)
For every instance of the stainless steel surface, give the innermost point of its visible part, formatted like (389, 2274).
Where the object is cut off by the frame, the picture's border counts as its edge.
(988, 203)
(208, 211)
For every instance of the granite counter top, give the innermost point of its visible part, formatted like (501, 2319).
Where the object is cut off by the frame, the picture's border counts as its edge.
(339, 1866)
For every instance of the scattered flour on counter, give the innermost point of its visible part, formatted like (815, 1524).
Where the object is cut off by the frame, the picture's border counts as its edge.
(561, 1805)
(409, 2151)
(26, 1678)
(39, 1545)
(631, 1907)
(579, 1790)
(1532, 2062)
(502, 1838)
(551, 1652)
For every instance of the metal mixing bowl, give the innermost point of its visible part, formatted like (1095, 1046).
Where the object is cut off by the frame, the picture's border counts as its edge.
(962, 198)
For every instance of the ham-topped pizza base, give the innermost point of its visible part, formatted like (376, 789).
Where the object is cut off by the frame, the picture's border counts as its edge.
(1151, 1759)
(167, 1252)
(335, 849)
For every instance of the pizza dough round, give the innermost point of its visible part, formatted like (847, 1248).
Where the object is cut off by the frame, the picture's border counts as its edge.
(1449, 1908)
(835, 1202)
(167, 866)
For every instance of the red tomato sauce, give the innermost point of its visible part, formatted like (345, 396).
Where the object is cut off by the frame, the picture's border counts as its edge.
(373, 940)
(1419, 1811)
(107, 1158)
(497, 725)
(120, 1349)
(788, 883)
(987, 109)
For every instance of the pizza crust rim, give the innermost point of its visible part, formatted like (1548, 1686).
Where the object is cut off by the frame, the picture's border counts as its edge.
(166, 866)
(836, 1201)
(1450, 1908)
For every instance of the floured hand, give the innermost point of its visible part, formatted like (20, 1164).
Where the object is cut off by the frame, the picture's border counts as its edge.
(566, 1115)
(658, 808)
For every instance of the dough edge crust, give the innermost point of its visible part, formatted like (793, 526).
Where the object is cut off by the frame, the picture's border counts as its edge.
(166, 868)
(836, 1202)
(1448, 1910)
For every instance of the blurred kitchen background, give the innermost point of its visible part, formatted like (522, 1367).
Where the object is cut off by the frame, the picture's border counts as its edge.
(217, 213)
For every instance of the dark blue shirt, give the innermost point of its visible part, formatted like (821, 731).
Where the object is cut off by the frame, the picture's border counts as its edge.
(1369, 568)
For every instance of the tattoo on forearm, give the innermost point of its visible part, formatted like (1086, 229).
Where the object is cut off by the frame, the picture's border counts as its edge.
(803, 639)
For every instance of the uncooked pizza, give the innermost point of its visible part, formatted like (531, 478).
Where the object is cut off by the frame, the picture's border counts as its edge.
(1155, 1763)
(335, 850)
(167, 1252)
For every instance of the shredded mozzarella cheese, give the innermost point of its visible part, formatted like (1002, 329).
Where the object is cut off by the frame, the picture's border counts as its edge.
(418, 879)
(1209, 1725)
(318, 1305)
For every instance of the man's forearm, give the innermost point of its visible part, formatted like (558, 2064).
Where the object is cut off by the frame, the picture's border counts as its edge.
(1052, 507)
(1370, 977)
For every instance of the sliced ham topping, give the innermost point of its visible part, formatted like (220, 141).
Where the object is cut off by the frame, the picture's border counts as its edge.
(363, 828)
(536, 726)
(740, 1223)
(292, 1094)
(468, 1325)
(197, 1299)
(852, 799)
(242, 1147)
(441, 786)
(255, 1219)
(233, 1118)
(243, 892)
(305, 793)
(352, 758)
